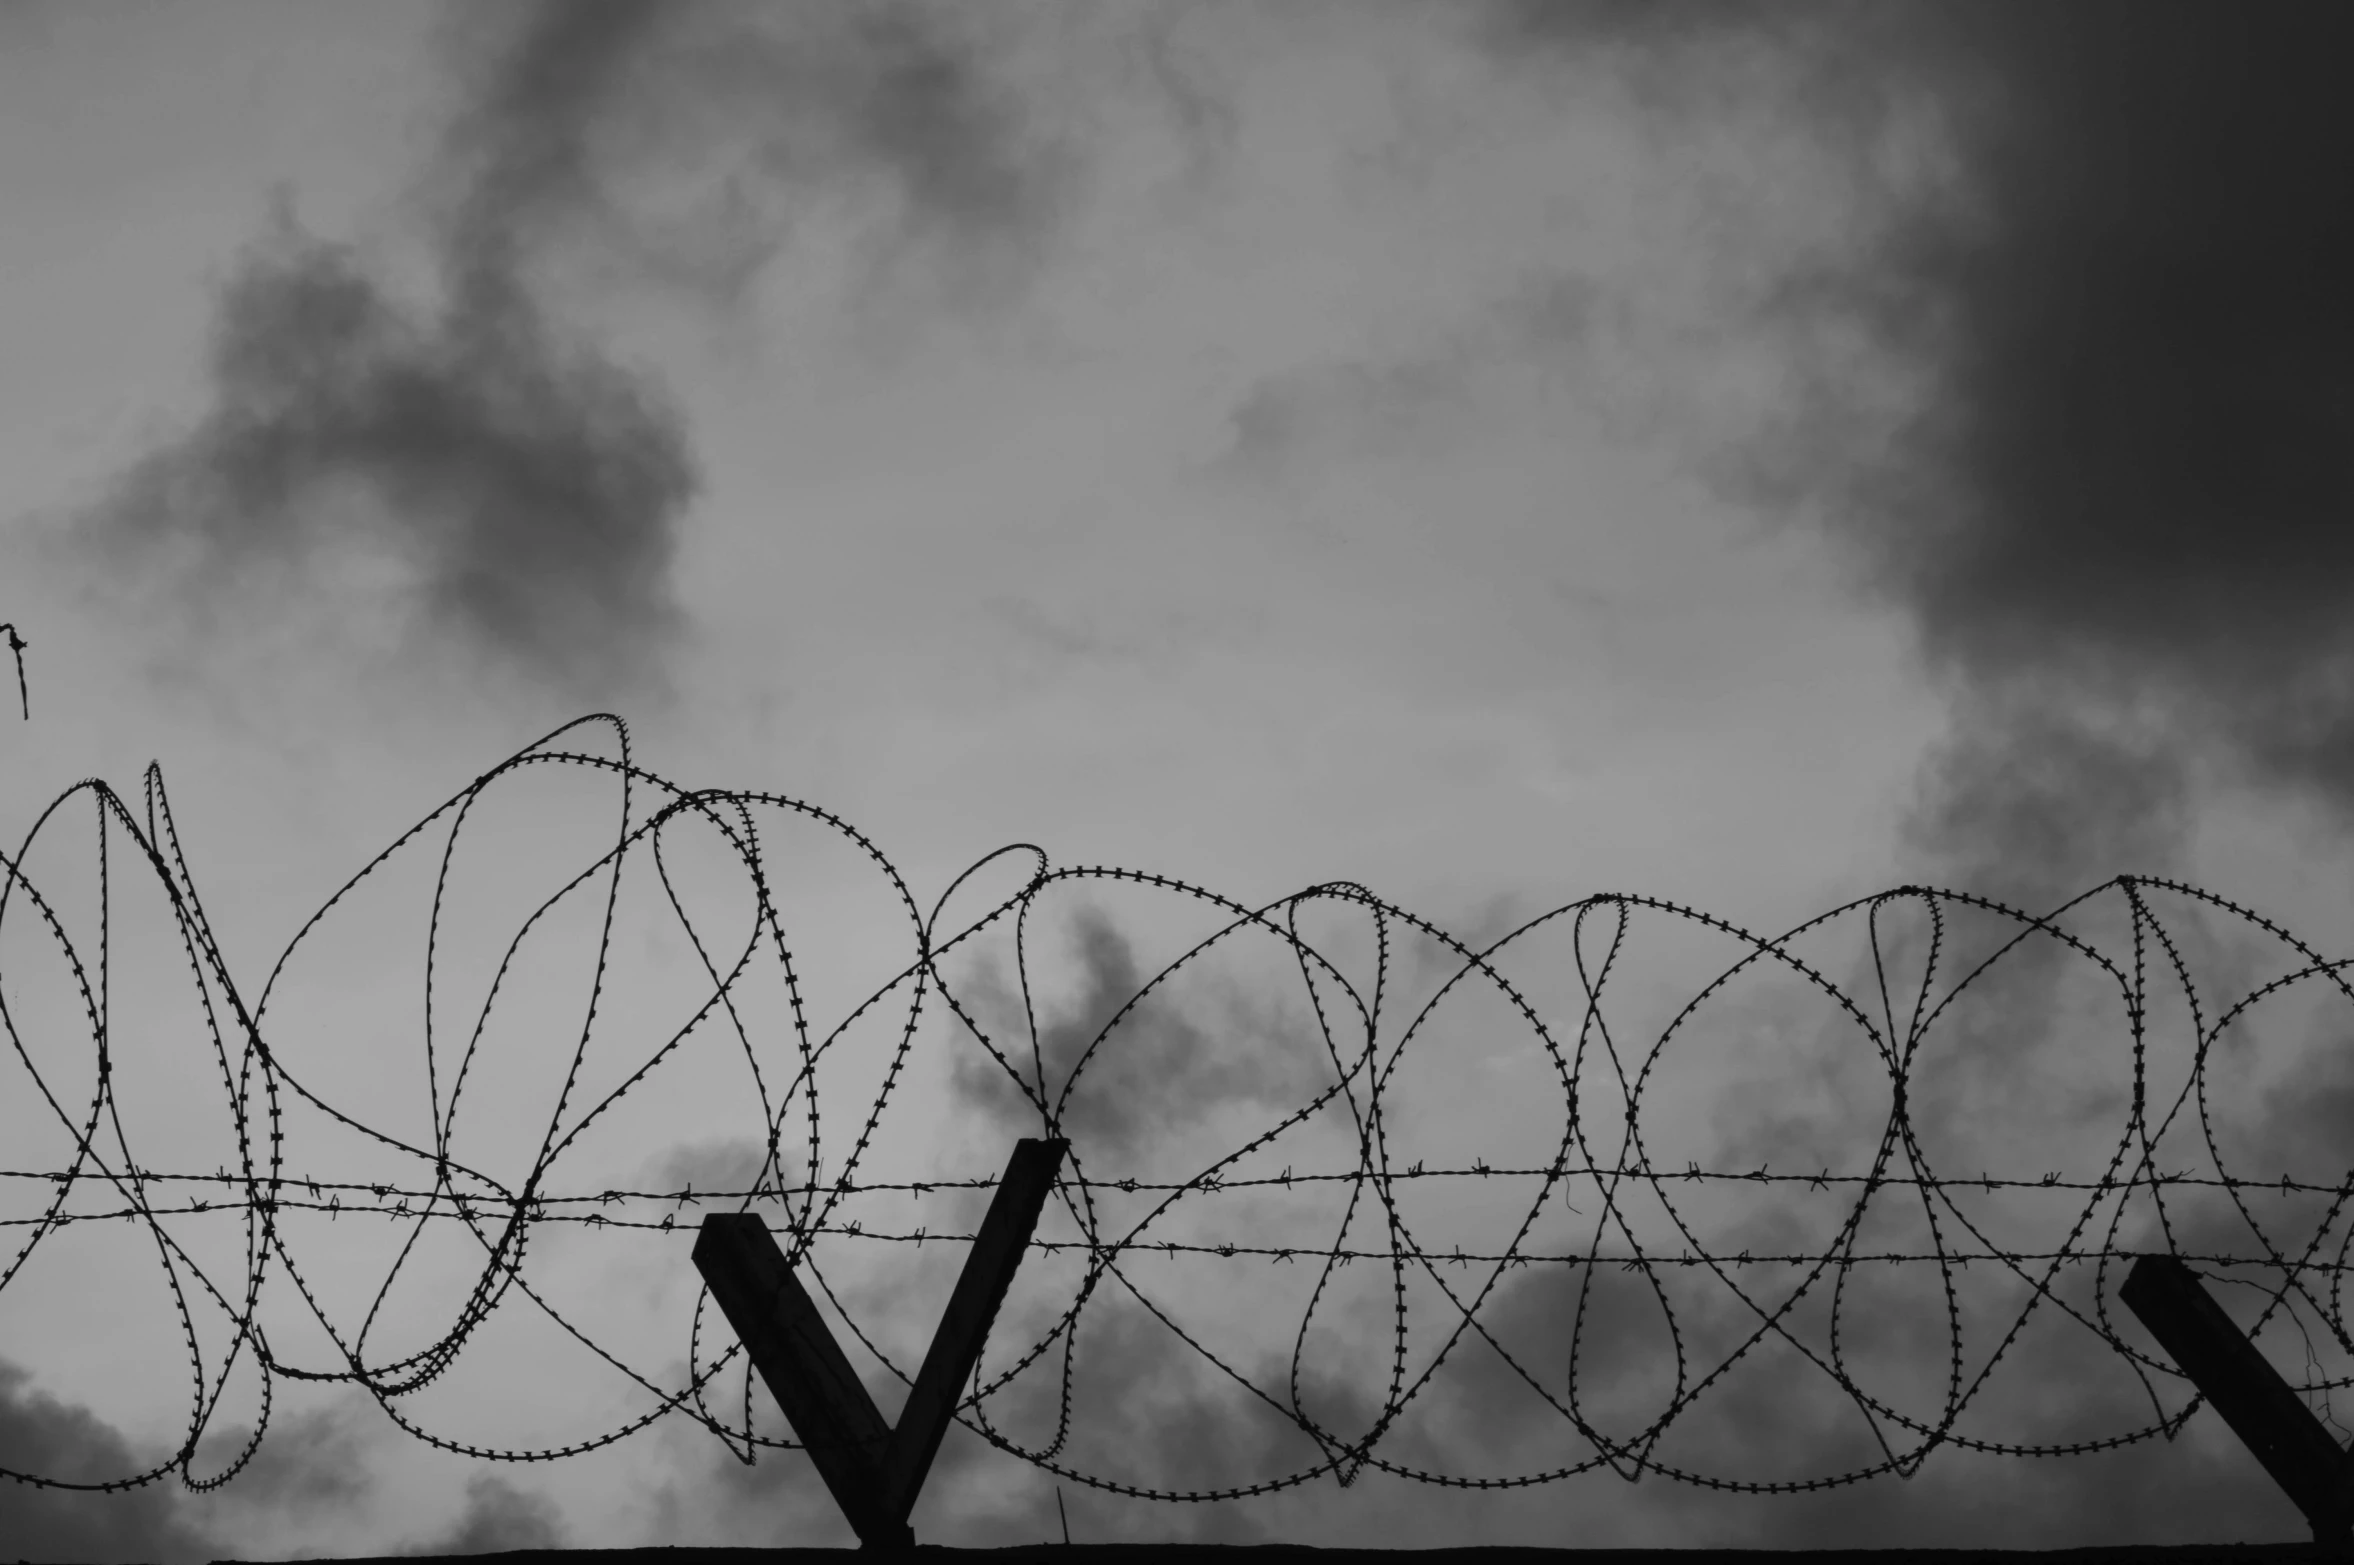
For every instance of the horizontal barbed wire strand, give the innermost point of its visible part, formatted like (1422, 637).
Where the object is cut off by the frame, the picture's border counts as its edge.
(502, 1217)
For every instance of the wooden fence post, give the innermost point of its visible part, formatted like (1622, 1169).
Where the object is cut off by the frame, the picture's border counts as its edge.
(2230, 1371)
(873, 1469)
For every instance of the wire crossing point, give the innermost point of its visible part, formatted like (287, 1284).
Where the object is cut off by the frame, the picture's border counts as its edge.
(873, 1470)
(2231, 1372)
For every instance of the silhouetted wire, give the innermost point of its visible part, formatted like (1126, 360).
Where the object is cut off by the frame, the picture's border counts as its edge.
(16, 647)
(502, 1217)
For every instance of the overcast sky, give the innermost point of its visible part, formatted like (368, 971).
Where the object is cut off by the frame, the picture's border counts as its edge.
(1490, 453)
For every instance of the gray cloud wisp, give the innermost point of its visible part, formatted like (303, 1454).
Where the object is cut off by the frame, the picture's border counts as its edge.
(468, 462)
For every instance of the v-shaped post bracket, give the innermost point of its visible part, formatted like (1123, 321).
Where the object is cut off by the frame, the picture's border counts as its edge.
(874, 1470)
(2312, 1469)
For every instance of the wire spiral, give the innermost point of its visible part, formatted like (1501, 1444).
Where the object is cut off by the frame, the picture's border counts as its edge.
(1105, 1234)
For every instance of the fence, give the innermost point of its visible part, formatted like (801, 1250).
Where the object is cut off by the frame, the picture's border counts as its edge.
(103, 1184)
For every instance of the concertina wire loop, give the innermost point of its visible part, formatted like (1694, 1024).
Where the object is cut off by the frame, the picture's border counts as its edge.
(503, 1217)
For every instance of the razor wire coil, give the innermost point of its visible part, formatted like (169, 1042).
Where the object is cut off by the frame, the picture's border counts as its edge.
(503, 1215)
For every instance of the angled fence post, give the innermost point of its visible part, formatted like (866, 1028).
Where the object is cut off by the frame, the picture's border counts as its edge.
(873, 1470)
(2229, 1370)
(797, 1356)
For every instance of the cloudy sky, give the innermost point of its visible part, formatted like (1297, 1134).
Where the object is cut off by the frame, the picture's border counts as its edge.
(1487, 453)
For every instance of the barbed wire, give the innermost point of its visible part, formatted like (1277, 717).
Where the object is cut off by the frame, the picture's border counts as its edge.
(16, 649)
(502, 1216)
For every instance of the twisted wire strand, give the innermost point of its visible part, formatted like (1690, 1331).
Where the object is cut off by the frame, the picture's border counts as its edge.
(16, 649)
(502, 1216)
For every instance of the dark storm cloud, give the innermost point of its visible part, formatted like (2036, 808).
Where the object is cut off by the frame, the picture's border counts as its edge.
(1476, 929)
(1149, 1410)
(476, 457)
(498, 1518)
(2031, 797)
(39, 1434)
(2152, 372)
(2127, 493)
(1158, 1072)
(1175, 1421)
(307, 1463)
(522, 489)
(729, 1165)
(524, 493)
(520, 157)
(1641, 28)
(2121, 527)
(899, 88)
(1675, 56)
(897, 108)
(1774, 1416)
